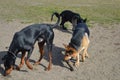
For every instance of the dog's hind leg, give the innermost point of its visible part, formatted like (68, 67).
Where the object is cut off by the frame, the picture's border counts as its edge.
(62, 24)
(85, 43)
(86, 54)
(49, 47)
(88, 42)
(27, 59)
(83, 55)
(50, 61)
(77, 60)
(22, 61)
(41, 48)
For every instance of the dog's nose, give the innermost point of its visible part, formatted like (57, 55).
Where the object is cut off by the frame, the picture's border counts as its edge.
(67, 58)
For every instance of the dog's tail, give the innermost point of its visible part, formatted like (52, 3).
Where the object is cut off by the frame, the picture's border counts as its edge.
(58, 21)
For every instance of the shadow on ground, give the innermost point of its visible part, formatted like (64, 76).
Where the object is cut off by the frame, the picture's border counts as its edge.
(57, 58)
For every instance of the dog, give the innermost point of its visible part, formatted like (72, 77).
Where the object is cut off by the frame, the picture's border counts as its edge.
(24, 40)
(79, 42)
(68, 15)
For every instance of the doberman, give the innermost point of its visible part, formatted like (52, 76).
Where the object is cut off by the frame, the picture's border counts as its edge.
(67, 15)
(24, 40)
(79, 42)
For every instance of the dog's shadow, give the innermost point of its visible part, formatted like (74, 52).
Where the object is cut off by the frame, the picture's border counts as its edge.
(65, 31)
(57, 57)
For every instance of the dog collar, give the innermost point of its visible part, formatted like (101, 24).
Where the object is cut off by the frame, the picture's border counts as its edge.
(12, 54)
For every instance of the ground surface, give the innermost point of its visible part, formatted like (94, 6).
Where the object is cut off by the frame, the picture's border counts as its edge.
(103, 64)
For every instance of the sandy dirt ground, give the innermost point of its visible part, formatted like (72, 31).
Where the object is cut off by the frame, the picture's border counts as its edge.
(103, 63)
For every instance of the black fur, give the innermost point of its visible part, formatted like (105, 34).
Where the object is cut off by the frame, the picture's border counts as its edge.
(25, 39)
(68, 15)
(80, 29)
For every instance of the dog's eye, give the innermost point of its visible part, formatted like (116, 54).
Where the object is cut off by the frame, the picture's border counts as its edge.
(69, 52)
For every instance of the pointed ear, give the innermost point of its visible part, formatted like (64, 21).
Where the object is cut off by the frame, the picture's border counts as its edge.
(65, 45)
(4, 57)
(85, 20)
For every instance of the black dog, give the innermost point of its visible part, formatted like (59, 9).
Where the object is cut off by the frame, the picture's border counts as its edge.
(24, 40)
(79, 42)
(68, 15)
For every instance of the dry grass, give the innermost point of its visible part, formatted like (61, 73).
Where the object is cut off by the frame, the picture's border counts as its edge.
(36, 11)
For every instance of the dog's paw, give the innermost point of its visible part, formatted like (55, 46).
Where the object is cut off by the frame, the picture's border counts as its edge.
(83, 59)
(71, 69)
(47, 69)
(36, 63)
(87, 56)
(18, 68)
(76, 64)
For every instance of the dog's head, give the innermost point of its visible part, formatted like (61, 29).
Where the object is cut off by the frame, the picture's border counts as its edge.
(69, 52)
(81, 20)
(9, 61)
(77, 19)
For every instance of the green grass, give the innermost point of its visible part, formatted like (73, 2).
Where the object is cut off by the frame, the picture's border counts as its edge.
(36, 11)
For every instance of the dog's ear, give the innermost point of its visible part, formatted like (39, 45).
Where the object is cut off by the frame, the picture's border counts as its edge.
(85, 20)
(65, 45)
(4, 57)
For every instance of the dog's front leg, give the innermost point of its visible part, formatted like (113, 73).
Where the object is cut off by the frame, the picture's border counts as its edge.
(22, 61)
(27, 59)
(77, 60)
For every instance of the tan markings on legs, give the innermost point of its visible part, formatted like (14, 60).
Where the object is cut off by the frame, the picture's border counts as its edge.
(77, 60)
(83, 55)
(86, 54)
(28, 64)
(50, 62)
(84, 44)
(22, 61)
(41, 48)
(88, 41)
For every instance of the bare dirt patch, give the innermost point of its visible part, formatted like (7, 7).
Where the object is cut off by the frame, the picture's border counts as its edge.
(103, 64)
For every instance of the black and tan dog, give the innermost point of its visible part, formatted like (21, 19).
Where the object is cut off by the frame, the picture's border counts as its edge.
(24, 40)
(79, 42)
(68, 15)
